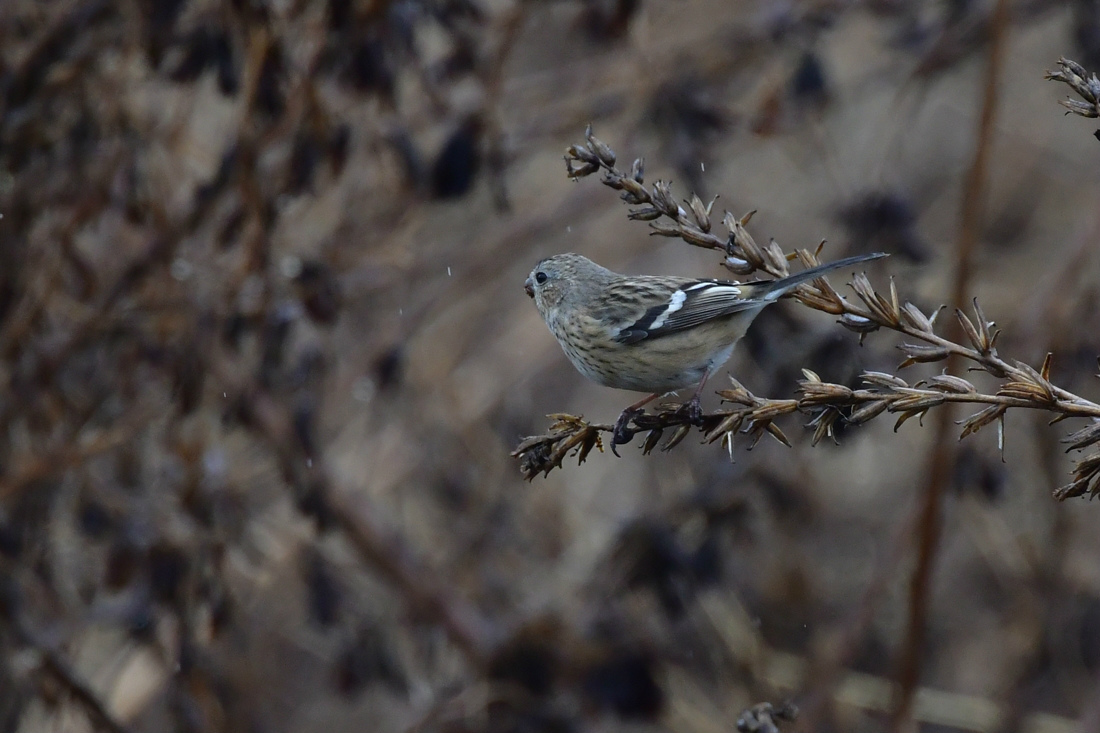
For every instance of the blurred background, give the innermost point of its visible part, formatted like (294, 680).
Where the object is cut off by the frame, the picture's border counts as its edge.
(265, 352)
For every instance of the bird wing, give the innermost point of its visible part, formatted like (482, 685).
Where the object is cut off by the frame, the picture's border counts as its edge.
(692, 303)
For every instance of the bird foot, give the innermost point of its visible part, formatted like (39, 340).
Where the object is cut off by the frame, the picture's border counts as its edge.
(693, 411)
(623, 434)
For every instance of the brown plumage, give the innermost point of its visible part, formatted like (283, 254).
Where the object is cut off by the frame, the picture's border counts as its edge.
(651, 333)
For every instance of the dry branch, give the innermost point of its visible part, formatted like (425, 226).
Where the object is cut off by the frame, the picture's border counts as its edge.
(1022, 386)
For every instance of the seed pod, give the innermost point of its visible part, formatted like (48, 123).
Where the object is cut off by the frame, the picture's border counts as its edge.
(949, 383)
(859, 324)
(662, 198)
(1084, 437)
(867, 412)
(700, 212)
(651, 441)
(646, 213)
(580, 171)
(980, 419)
(883, 379)
(922, 354)
(680, 433)
(730, 424)
(738, 266)
(663, 230)
(824, 424)
(580, 152)
(912, 316)
(599, 147)
(918, 400)
(773, 409)
(636, 190)
(693, 236)
(823, 393)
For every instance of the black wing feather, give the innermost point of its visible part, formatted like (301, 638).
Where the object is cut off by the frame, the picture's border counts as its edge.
(699, 302)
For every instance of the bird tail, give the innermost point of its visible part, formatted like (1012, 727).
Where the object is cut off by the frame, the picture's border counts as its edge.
(778, 288)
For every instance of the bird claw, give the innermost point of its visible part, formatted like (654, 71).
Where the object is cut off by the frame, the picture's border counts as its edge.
(693, 411)
(622, 433)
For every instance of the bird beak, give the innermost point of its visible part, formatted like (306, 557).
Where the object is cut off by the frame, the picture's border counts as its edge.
(529, 287)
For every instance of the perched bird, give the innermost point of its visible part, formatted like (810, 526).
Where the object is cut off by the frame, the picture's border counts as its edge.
(651, 333)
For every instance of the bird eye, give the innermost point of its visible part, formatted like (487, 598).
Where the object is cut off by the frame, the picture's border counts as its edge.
(540, 277)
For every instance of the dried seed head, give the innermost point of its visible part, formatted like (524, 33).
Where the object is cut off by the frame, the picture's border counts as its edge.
(730, 424)
(662, 199)
(651, 440)
(1072, 67)
(823, 393)
(1086, 478)
(1084, 437)
(867, 412)
(1081, 109)
(663, 230)
(913, 317)
(636, 191)
(776, 259)
(599, 148)
(917, 399)
(883, 379)
(581, 153)
(774, 431)
(1036, 378)
(905, 416)
(772, 409)
(1027, 391)
(738, 266)
(700, 212)
(646, 213)
(575, 171)
(978, 335)
(637, 170)
(824, 299)
(693, 236)
(859, 324)
(949, 383)
(980, 419)
(824, 424)
(922, 354)
(678, 435)
(881, 310)
(737, 393)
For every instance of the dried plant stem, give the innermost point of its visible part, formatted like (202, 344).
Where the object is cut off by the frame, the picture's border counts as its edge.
(384, 552)
(942, 457)
(58, 668)
(972, 340)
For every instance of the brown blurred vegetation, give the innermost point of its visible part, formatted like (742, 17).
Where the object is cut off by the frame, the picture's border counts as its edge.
(265, 350)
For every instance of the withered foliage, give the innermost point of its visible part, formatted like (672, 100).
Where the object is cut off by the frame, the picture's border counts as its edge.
(235, 491)
(165, 335)
(765, 717)
(824, 404)
(1083, 84)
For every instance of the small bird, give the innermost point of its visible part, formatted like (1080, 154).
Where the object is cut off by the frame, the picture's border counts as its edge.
(651, 333)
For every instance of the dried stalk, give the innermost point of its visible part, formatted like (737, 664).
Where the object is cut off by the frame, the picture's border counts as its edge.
(1080, 81)
(1022, 386)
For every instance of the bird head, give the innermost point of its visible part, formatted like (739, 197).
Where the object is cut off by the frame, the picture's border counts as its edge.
(555, 280)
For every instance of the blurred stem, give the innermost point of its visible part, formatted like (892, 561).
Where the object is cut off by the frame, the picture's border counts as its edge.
(942, 457)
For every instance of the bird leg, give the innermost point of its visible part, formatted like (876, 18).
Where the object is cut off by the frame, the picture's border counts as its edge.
(693, 408)
(622, 435)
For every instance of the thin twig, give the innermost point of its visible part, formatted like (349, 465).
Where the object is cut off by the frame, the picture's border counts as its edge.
(941, 458)
(60, 670)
